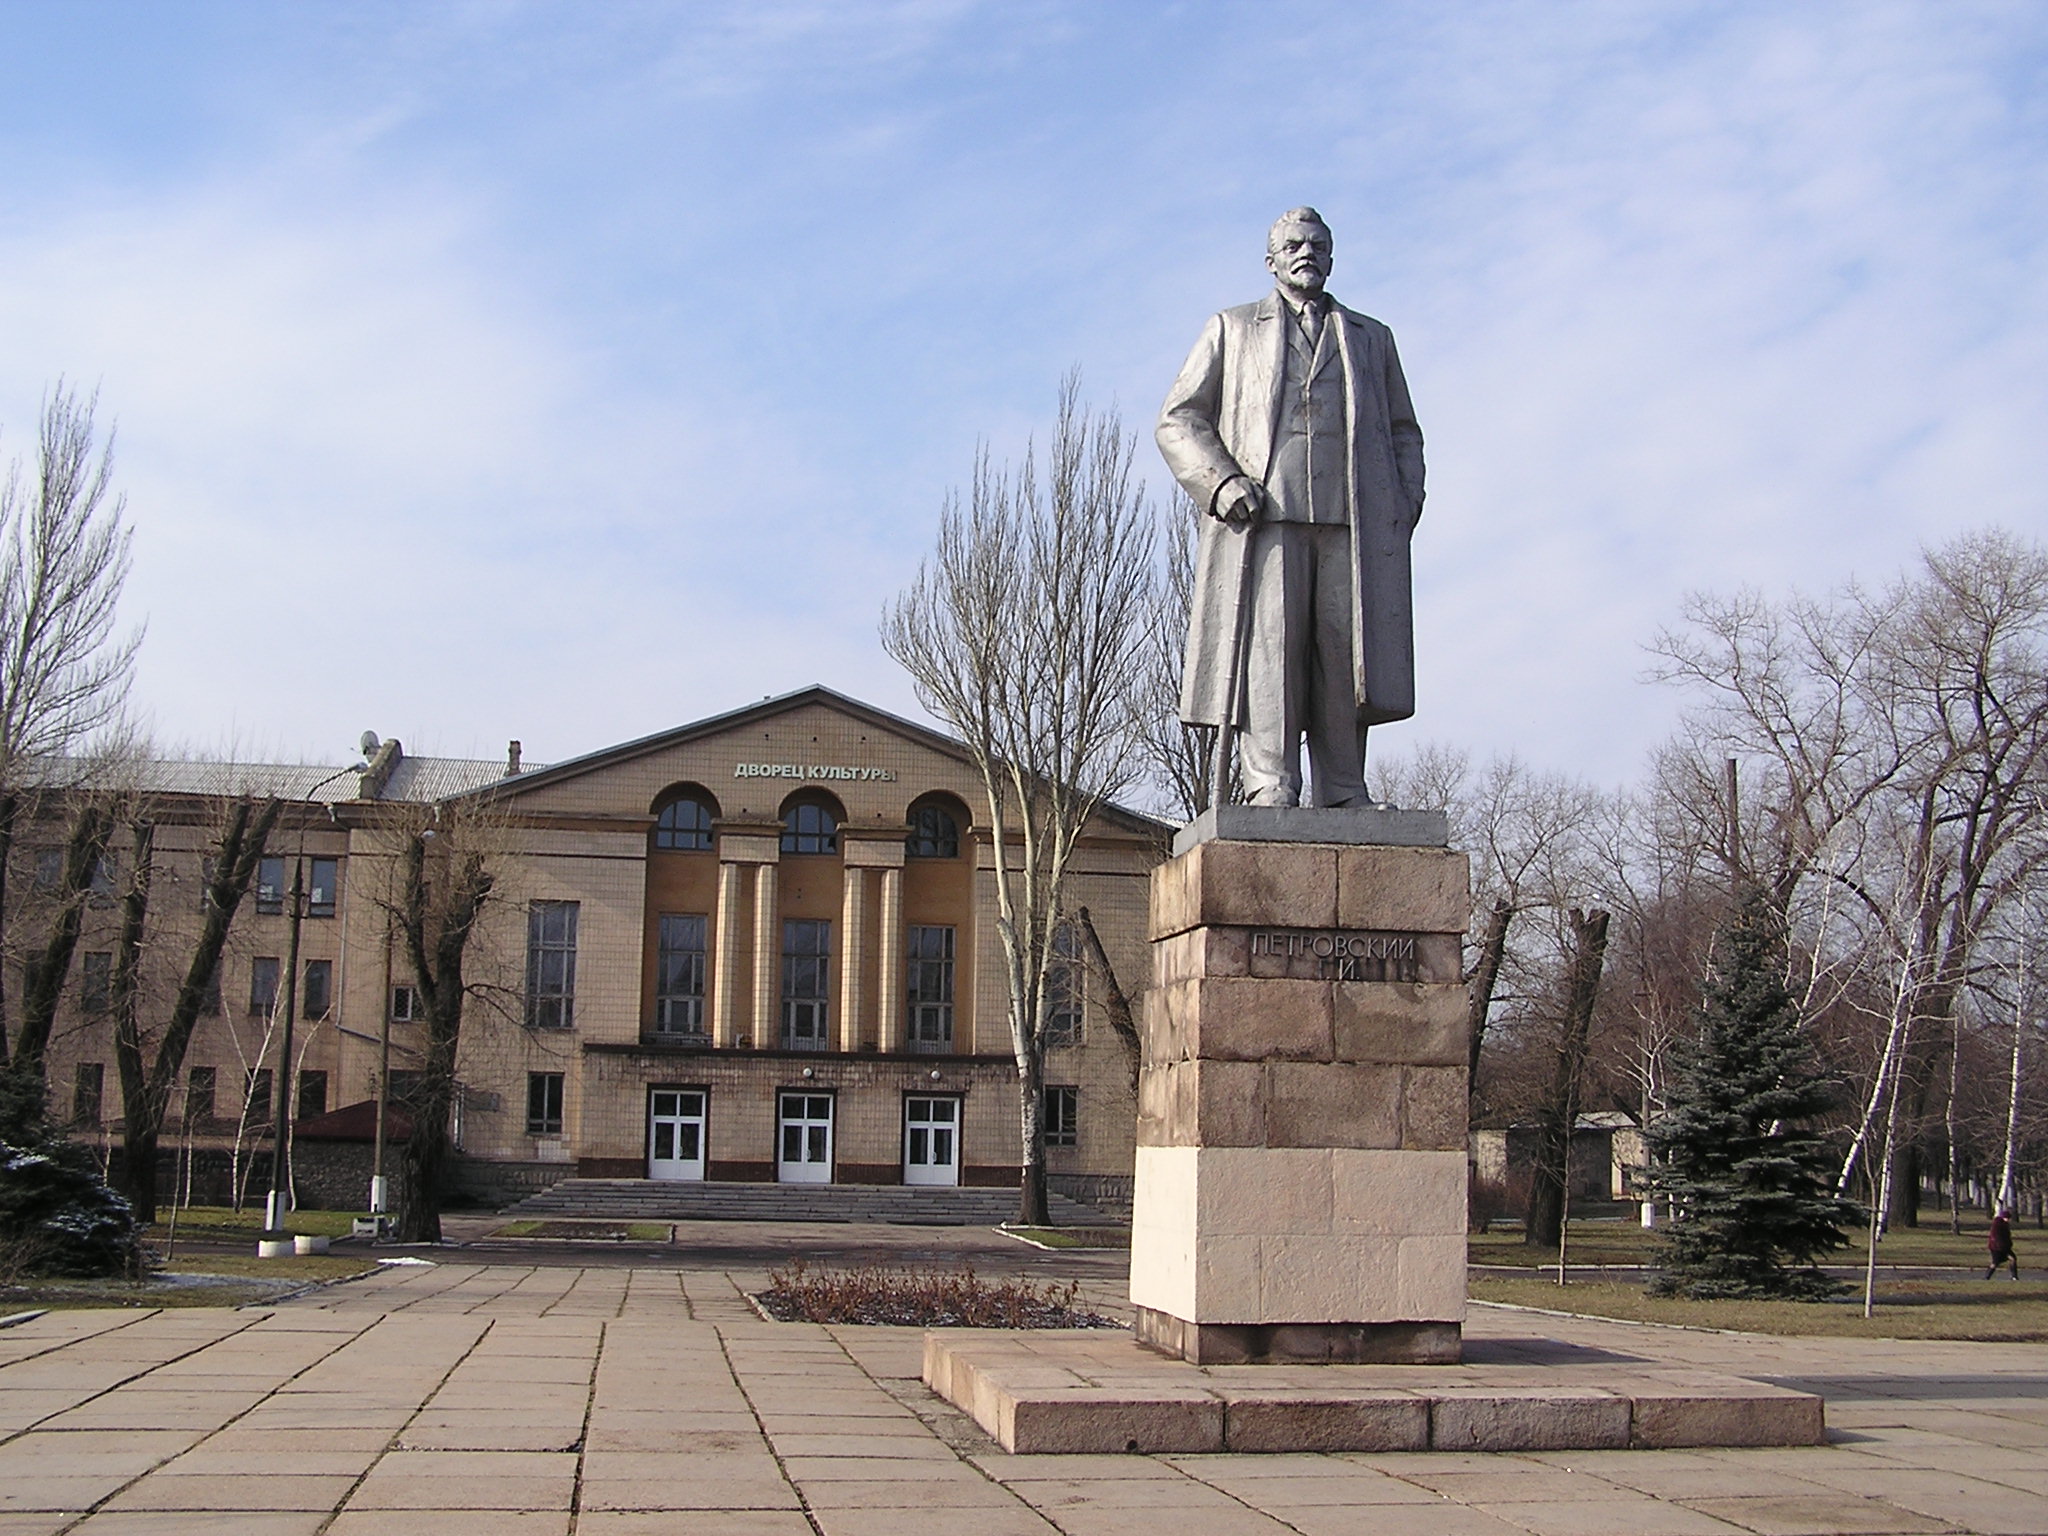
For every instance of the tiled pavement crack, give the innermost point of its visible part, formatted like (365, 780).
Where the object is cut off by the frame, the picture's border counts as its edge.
(761, 1426)
(583, 1430)
(398, 1434)
(115, 1493)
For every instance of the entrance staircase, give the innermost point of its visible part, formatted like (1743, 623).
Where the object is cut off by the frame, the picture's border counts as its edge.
(901, 1205)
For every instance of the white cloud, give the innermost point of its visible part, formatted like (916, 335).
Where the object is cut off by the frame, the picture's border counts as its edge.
(506, 377)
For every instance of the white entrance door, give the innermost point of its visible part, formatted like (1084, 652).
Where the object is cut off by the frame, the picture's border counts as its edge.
(931, 1141)
(805, 1153)
(675, 1134)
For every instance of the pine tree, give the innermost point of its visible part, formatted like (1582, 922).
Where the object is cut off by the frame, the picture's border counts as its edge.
(1745, 1177)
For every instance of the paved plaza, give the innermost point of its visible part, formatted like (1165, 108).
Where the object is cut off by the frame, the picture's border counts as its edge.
(527, 1399)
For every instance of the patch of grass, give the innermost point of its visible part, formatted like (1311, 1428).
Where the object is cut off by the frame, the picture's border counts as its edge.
(908, 1299)
(220, 1223)
(1073, 1237)
(1592, 1242)
(1625, 1242)
(648, 1232)
(1993, 1310)
(519, 1229)
(216, 1280)
(297, 1268)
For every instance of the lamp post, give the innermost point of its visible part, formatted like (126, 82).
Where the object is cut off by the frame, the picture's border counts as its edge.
(281, 1115)
(275, 1241)
(380, 1193)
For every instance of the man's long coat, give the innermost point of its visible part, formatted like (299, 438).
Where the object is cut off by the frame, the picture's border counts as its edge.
(1220, 419)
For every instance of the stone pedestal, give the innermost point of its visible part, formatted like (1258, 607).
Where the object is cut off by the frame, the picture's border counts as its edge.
(1301, 1163)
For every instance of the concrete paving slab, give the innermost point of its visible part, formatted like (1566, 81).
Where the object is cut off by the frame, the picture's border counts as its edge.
(1440, 1519)
(982, 1520)
(178, 1523)
(450, 1522)
(1819, 1515)
(282, 1491)
(649, 1421)
(729, 1522)
(1610, 1517)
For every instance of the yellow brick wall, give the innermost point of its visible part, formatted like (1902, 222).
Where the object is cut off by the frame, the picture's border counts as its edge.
(585, 838)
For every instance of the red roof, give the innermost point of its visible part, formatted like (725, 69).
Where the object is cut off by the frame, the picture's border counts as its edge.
(355, 1122)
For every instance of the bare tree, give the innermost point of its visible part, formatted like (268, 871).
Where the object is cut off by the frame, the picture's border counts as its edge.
(1530, 836)
(442, 882)
(1549, 1191)
(1895, 746)
(1179, 758)
(1118, 1005)
(1026, 632)
(64, 671)
(147, 1081)
(49, 966)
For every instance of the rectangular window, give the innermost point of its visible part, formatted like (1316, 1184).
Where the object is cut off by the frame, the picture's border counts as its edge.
(270, 887)
(256, 1095)
(323, 875)
(86, 1090)
(317, 1000)
(207, 866)
(312, 1095)
(679, 975)
(1066, 988)
(1062, 1117)
(551, 964)
(49, 868)
(96, 981)
(929, 954)
(263, 972)
(199, 1090)
(543, 1103)
(405, 1004)
(103, 886)
(806, 964)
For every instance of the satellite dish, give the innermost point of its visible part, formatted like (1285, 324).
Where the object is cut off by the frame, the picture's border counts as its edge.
(370, 743)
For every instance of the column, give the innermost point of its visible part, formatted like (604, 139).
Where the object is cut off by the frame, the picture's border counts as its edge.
(853, 943)
(767, 961)
(892, 997)
(725, 973)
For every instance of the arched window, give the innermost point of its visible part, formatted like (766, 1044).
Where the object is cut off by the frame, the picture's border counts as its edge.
(685, 825)
(808, 827)
(934, 834)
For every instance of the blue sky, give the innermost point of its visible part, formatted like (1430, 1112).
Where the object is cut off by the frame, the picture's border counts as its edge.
(568, 371)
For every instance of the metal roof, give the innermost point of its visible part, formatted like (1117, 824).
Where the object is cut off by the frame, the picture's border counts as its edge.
(436, 778)
(413, 779)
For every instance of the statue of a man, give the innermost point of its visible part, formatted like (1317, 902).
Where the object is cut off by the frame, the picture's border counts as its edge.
(1291, 428)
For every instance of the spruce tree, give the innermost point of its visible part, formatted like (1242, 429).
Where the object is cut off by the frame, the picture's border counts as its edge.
(1744, 1175)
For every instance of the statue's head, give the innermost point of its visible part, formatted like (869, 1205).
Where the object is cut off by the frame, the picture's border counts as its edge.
(1298, 252)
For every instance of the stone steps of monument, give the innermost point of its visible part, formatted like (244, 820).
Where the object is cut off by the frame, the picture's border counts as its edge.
(663, 1200)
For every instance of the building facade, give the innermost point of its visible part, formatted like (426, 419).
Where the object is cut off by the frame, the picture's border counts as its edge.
(761, 947)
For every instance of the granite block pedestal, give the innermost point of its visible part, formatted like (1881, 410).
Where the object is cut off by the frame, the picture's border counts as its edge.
(1298, 1237)
(1301, 1163)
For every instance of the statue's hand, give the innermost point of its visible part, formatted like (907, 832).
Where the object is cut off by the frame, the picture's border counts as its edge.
(1240, 502)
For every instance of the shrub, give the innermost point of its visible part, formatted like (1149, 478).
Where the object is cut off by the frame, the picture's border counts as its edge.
(58, 1217)
(961, 1299)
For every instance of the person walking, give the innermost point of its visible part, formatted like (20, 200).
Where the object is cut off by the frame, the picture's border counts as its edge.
(2000, 1244)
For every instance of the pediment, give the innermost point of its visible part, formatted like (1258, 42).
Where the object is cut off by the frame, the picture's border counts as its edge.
(752, 760)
